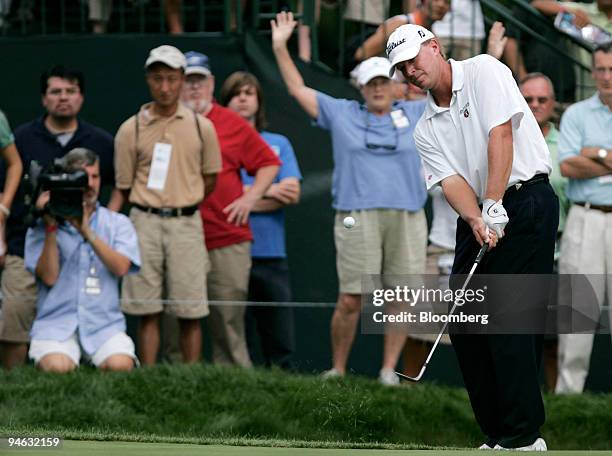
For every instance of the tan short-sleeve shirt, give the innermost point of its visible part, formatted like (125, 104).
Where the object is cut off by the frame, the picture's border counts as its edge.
(191, 157)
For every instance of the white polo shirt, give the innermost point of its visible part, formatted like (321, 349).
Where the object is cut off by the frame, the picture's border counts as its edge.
(454, 140)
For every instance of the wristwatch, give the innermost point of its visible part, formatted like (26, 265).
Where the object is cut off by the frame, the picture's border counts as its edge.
(602, 154)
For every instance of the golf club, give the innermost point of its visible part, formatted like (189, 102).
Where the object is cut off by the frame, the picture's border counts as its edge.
(481, 253)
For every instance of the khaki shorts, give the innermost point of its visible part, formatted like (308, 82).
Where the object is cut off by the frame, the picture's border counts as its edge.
(18, 308)
(383, 241)
(174, 266)
(228, 280)
(438, 281)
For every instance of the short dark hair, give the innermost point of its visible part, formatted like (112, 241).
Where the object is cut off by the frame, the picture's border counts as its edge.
(232, 86)
(606, 48)
(63, 72)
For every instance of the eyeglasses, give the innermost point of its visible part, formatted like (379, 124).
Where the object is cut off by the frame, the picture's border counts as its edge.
(541, 100)
(371, 145)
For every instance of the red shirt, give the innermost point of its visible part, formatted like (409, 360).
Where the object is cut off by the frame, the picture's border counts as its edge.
(241, 147)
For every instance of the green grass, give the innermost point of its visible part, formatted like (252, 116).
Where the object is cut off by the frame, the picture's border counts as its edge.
(210, 405)
(89, 448)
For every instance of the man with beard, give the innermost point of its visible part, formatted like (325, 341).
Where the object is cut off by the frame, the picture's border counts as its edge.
(43, 140)
(166, 163)
(78, 263)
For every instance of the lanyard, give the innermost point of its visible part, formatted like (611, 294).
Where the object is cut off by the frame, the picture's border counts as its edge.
(92, 254)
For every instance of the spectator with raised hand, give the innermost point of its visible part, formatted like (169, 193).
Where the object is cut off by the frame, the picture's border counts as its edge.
(226, 213)
(78, 263)
(166, 163)
(50, 136)
(269, 278)
(585, 153)
(497, 40)
(426, 14)
(377, 180)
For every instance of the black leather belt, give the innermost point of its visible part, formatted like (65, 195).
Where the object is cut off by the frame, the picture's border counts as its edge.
(168, 211)
(538, 178)
(597, 207)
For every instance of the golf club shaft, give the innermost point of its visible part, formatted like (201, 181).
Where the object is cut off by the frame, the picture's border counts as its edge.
(481, 253)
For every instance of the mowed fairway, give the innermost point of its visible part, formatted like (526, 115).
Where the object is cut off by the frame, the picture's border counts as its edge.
(73, 448)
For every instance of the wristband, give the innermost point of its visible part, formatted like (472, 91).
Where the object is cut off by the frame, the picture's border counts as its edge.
(5, 210)
(92, 238)
(50, 228)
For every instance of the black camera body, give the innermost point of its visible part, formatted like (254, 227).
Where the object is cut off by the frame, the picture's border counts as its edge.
(66, 188)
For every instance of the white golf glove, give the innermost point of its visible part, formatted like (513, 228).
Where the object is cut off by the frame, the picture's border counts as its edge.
(495, 216)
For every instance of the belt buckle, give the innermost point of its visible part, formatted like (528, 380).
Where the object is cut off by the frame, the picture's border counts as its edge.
(166, 212)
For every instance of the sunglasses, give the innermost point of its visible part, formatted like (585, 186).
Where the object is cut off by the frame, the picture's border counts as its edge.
(541, 100)
(371, 145)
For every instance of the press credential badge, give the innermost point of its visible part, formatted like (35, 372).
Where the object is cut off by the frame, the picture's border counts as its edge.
(159, 166)
(399, 119)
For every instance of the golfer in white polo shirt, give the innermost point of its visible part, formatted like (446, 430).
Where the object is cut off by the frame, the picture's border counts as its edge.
(479, 140)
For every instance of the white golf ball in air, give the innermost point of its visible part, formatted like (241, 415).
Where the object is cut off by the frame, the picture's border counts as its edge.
(349, 222)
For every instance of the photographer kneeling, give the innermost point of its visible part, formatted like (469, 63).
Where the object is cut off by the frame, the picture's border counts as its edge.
(77, 261)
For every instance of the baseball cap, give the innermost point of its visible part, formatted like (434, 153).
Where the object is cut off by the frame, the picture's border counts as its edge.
(370, 69)
(197, 63)
(405, 43)
(168, 55)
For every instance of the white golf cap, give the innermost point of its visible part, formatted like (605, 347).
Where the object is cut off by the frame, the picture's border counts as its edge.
(168, 55)
(372, 68)
(405, 43)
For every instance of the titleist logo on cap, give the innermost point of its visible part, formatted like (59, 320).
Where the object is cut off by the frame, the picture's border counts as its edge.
(395, 44)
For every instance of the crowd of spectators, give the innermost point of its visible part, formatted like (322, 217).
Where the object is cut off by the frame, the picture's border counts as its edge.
(206, 185)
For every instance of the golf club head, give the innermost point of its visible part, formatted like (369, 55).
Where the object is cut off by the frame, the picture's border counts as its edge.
(479, 256)
(412, 379)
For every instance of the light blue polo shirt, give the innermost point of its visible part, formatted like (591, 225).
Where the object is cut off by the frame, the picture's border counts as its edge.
(388, 177)
(65, 307)
(587, 124)
(269, 227)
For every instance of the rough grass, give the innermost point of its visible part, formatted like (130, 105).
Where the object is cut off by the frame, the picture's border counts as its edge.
(207, 404)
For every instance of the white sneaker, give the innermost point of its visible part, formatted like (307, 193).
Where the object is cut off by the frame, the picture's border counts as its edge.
(388, 377)
(538, 445)
(331, 373)
(484, 446)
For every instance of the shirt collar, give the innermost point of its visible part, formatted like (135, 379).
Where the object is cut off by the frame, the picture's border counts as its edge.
(595, 103)
(458, 79)
(148, 115)
(552, 133)
(42, 128)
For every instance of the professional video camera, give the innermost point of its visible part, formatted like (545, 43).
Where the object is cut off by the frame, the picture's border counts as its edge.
(66, 189)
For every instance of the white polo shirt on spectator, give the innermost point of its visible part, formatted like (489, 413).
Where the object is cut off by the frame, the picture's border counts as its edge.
(454, 140)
